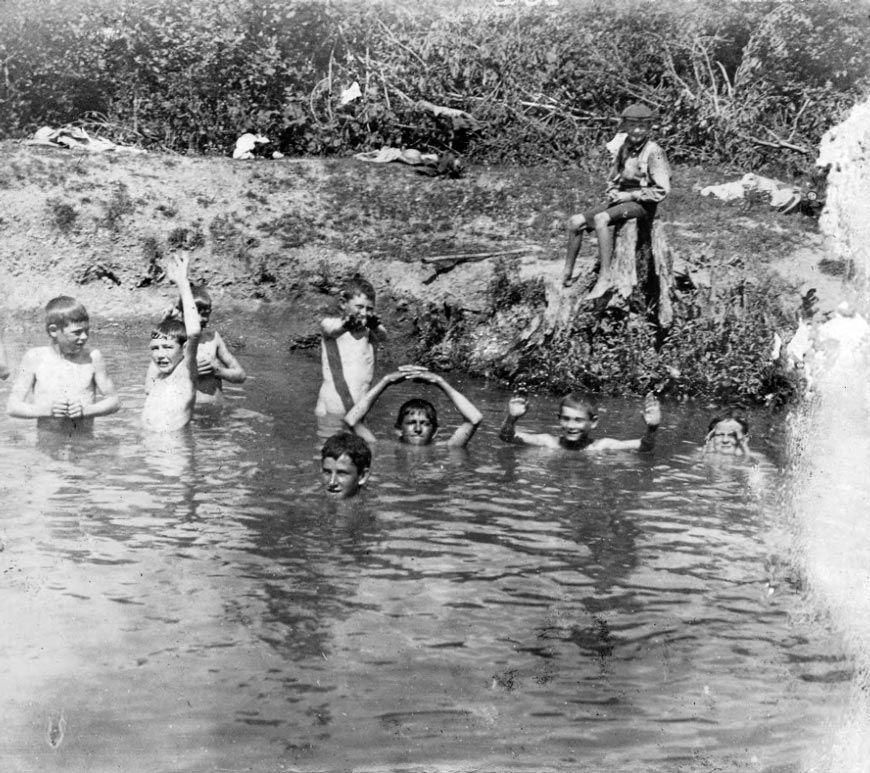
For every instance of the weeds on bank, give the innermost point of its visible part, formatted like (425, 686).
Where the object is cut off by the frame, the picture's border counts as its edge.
(119, 205)
(63, 215)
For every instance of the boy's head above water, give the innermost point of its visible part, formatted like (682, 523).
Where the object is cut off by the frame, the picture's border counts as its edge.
(167, 345)
(416, 422)
(202, 299)
(727, 435)
(577, 418)
(356, 286)
(67, 323)
(345, 460)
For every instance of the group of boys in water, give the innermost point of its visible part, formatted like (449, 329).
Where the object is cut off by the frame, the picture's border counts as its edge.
(65, 385)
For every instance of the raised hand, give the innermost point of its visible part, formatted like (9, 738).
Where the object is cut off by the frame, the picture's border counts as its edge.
(517, 406)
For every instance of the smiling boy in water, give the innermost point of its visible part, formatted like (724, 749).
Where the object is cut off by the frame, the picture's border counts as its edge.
(170, 386)
(577, 418)
(417, 420)
(727, 435)
(58, 384)
(345, 460)
(348, 344)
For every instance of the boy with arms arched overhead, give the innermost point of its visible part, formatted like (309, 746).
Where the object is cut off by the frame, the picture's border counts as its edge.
(58, 384)
(577, 418)
(170, 387)
(417, 420)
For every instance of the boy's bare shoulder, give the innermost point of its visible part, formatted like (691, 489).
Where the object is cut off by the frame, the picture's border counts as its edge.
(36, 355)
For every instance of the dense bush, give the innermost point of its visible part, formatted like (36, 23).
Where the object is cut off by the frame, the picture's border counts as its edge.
(719, 347)
(759, 81)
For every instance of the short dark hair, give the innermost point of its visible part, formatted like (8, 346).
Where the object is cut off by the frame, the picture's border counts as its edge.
(170, 328)
(580, 404)
(418, 404)
(62, 310)
(357, 285)
(729, 416)
(354, 446)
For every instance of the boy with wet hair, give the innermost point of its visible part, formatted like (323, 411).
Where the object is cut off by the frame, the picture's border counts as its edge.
(727, 435)
(639, 179)
(348, 346)
(214, 360)
(417, 420)
(577, 418)
(345, 461)
(170, 385)
(58, 384)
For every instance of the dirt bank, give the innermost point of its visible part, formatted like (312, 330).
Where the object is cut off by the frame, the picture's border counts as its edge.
(284, 232)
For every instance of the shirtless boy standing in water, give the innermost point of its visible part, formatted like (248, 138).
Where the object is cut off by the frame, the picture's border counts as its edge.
(577, 418)
(348, 344)
(215, 361)
(58, 384)
(170, 386)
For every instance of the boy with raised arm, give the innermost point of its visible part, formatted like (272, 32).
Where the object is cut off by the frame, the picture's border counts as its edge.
(577, 418)
(215, 361)
(58, 384)
(417, 420)
(170, 386)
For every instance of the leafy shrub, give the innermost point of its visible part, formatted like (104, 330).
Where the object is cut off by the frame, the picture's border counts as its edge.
(759, 81)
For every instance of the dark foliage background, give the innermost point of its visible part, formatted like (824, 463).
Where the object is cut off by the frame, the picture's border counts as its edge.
(758, 81)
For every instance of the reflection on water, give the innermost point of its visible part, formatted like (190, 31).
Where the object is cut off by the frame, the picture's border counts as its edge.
(194, 603)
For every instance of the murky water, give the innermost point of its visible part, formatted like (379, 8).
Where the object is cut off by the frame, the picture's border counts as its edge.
(194, 604)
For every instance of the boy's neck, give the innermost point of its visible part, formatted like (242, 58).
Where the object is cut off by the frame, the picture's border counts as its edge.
(80, 355)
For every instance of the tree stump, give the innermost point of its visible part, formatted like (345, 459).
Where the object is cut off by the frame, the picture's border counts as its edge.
(642, 260)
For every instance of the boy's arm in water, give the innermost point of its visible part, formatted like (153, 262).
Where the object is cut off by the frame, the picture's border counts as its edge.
(23, 386)
(469, 412)
(176, 269)
(356, 415)
(224, 366)
(104, 385)
(652, 415)
(517, 407)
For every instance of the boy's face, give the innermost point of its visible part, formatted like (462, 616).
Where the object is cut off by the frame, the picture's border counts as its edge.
(360, 306)
(638, 132)
(416, 428)
(204, 311)
(166, 353)
(71, 338)
(341, 478)
(575, 424)
(726, 438)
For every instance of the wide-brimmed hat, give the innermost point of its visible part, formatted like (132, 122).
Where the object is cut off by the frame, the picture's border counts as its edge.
(637, 112)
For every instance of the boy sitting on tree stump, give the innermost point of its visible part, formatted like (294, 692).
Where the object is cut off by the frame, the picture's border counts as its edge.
(639, 179)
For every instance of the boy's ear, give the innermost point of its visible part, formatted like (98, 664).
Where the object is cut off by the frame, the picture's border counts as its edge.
(363, 476)
(52, 330)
